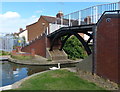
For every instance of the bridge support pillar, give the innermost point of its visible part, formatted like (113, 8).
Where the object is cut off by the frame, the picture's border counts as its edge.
(107, 48)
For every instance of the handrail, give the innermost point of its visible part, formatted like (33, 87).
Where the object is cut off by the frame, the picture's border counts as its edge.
(118, 11)
(88, 15)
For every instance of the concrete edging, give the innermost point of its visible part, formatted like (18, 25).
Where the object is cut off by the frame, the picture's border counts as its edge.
(18, 83)
(38, 64)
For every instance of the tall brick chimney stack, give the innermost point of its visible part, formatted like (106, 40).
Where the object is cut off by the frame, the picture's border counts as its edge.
(59, 14)
(21, 29)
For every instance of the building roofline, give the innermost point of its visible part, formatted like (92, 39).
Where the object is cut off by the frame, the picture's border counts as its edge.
(21, 31)
(31, 24)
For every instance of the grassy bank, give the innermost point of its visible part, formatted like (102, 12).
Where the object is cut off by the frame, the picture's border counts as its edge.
(58, 80)
(4, 53)
(22, 57)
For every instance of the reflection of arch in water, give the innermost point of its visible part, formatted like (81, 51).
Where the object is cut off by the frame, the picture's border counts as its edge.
(35, 69)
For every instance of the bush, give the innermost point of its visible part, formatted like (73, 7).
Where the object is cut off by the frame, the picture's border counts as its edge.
(74, 48)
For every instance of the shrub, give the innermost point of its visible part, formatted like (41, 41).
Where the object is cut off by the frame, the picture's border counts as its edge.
(74, 48)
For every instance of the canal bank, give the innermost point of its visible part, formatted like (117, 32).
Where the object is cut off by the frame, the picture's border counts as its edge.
(4, 58)
(28, 70)
(104, 84)
(38, 60)
(12, 72)
(18, 83)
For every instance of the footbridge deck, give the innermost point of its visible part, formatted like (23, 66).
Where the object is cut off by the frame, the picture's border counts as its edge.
(77, 29)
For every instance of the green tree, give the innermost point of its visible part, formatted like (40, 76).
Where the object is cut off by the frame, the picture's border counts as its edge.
(74, 48)
(24, 40)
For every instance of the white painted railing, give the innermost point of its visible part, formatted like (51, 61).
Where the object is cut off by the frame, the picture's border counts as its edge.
(82, 17)
(89, 15)
(54, 27)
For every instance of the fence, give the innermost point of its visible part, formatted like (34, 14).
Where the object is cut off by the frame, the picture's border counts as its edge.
(8, 42)
(89, 15)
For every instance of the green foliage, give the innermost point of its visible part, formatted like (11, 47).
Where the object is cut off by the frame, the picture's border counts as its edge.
(4, 53)
(24, 40)
(74, 48)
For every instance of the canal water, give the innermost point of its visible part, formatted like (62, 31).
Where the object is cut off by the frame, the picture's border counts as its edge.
(12, 72)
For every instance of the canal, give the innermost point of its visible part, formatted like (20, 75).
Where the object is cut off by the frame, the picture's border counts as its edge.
(12, 72)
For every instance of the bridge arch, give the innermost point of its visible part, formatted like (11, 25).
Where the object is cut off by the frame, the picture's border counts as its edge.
(69, 33)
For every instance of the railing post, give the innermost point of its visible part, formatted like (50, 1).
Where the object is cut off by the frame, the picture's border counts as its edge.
(61, 21)
(95, 13)
(79, 22)
(69, 20)
(118, 5)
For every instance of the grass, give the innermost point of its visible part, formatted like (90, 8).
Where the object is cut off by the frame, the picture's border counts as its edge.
(58, 80)
(4, 53)
(22, 57)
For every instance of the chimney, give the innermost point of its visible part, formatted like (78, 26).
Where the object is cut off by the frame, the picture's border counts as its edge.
(21, 29)
(59, 14)
(87, 20)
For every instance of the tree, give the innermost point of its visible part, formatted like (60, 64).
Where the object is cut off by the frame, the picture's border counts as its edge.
(74, 48)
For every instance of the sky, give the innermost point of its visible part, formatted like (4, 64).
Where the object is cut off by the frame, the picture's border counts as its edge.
(17, 15)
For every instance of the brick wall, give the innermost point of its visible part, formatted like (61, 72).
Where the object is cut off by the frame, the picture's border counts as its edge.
(36, 29)
(107, 48)
(38, 45)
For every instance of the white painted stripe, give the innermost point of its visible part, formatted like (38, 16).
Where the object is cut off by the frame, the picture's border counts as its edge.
(6, 87)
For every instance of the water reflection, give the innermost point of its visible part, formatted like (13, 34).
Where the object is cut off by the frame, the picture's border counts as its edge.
(14, 72)
(0, 74)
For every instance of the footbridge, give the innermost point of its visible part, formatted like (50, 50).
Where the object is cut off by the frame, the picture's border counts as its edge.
(81, 24)
(98, 25)
(82, 21)
(73, 30)
(101, 24)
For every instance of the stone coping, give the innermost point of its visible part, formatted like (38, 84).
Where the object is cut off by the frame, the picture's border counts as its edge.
(4, 57)
(42, 62)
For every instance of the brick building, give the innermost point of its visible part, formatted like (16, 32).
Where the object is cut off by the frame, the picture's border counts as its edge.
(37, 36)
(44, 24)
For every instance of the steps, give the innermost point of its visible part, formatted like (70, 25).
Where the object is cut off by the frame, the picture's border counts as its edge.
(57, 55)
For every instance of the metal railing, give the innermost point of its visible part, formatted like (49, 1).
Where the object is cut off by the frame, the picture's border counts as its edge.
(89, 15)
